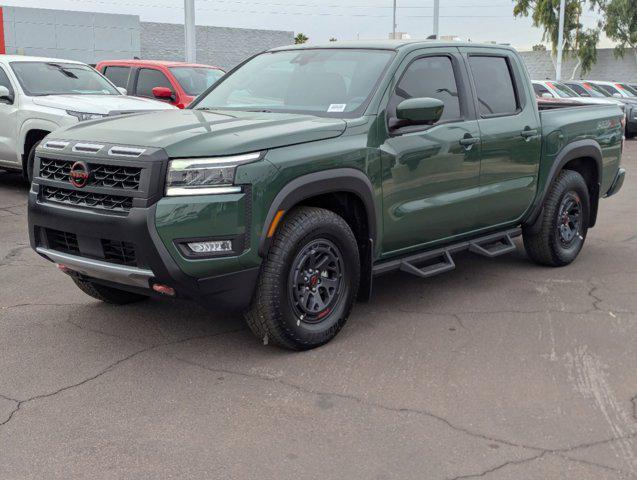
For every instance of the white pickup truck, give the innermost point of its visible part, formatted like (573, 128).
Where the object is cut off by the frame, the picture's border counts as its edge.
(40, 95)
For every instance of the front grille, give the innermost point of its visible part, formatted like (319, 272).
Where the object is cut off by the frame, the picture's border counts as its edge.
(108, 176)
(119, 252)
(62, 241)
(114, 203)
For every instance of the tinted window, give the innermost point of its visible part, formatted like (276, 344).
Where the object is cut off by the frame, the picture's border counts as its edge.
(195, 80)
(429, 77)
(609, 89)
(494, 85)
(540, 89)
(59, 78)
(4, 81)
(627, 89)
(149, 79)
(581, 91)
(118, 75)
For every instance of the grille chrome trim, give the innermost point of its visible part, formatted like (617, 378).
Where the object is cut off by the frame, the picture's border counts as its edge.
(55, 145)
(126, 151)
(133, 276)
(87, 147)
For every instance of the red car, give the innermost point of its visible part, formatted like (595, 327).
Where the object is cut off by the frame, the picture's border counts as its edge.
(177, 83)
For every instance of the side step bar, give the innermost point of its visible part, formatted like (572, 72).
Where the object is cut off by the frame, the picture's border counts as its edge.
(430, 263)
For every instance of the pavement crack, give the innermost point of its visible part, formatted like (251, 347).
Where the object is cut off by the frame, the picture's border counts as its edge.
(499, 467)
(6, 260)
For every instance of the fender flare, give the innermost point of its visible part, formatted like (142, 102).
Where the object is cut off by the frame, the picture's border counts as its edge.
(33, 124)
(334, 180)
(578, 149)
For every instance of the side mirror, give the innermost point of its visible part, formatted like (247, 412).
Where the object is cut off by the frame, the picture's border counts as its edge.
(122, 90)
(5, 95)
(547, 95)
(419, 111)
(163, 93)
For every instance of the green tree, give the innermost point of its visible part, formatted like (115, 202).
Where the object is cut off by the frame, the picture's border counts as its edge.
(621, 25)
(300, 38)
(540, 47)
(578, 42)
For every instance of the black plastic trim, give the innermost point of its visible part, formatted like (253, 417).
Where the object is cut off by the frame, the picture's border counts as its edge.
(617, 183)
(328, 181)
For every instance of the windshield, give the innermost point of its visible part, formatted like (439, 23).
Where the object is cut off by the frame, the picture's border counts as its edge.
(196, 80)
(329, 82)
(595, 88)
(628, 91)
(563, 91)
(58, 78)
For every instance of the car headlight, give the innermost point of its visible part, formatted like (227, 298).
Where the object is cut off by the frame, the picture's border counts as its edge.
(204, 176)
(82, 116)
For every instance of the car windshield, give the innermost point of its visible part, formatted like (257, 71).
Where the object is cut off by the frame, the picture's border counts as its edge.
(327, 82)
(564, 91)
(591, 87)
(59, 78)
(196, 80)
(628, 90)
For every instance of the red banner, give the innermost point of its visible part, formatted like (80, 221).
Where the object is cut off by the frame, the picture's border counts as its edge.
(2, 49)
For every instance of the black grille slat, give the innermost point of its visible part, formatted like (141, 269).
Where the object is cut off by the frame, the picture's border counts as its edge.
(62, 241)
(108, 176)
(119, 252)
(82, 198)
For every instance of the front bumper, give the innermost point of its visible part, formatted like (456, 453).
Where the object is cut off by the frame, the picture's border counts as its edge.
(617, 183)
(229, 287)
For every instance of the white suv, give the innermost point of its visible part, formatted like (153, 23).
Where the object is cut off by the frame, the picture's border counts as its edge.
(40, 95)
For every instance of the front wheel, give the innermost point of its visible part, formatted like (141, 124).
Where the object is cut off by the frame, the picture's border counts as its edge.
(308, 282)
(563, 224)
(28, 167)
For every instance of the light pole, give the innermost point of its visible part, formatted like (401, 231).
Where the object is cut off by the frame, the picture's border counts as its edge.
(436, 17)
(393, 24)
(560, 41)
(189, 31)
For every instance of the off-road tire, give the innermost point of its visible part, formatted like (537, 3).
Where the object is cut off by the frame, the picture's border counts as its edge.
(108, 294)
(276, 314)
(544, 245)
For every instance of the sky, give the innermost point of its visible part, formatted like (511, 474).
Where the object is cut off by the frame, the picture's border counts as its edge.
(475, 20)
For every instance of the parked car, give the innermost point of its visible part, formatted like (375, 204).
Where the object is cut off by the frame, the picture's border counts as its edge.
(40, 95)
(619, 92)
(174, 82)
(308, 170)
(551, 88)
(615, 89)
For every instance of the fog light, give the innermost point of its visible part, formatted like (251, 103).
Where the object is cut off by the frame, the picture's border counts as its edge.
(212, 246)
(164, 289)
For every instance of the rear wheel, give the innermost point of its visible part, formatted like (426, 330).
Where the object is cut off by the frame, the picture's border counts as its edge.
(108, 294)
(308, 281)
(563, 224)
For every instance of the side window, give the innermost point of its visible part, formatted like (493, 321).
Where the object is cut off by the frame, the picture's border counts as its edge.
(609, 89)
(581, 91)
(118, 75)
(540, 89)
(429, 77)
(149, 79)
(494, 85)
(4, 81)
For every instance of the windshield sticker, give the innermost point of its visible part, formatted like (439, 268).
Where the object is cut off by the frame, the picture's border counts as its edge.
(337, 107)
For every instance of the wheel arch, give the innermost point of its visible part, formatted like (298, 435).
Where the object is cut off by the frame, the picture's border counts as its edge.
(345, 191)
(584, 157)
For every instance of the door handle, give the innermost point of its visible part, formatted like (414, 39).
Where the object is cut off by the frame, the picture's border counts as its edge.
(468, 141)
(527, 133)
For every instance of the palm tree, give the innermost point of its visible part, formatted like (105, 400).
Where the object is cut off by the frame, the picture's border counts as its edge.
(300, 38)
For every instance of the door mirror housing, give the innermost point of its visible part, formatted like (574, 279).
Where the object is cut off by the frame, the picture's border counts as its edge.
(419, 111)
(163, 93)
(5, 95)
(122, 90)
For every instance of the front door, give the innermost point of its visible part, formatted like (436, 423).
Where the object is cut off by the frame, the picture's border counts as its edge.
(8, 123)
(510, 132)
(430, 173)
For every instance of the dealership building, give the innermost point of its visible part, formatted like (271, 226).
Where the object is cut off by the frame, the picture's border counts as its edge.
(90, 37)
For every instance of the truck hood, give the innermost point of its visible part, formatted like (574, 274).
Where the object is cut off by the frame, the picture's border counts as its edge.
(198, 133)
(100, 104)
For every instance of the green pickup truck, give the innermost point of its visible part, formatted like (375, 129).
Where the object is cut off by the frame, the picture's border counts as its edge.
(306, 171)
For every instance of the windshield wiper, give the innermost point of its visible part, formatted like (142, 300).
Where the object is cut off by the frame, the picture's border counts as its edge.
(63, 70)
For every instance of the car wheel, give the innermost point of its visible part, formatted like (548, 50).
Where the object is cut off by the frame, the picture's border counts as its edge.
(563, 224)
(108, 294)
(28, 168)
(308, 282)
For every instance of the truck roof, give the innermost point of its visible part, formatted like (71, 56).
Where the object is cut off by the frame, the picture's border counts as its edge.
(391, 45)
(164, 63)
(24, 58)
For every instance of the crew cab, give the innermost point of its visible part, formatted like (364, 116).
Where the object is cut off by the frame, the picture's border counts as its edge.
(177, 83)
(286, 187)
(39, 95)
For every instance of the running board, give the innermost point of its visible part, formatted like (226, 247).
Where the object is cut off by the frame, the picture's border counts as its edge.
(430, 263)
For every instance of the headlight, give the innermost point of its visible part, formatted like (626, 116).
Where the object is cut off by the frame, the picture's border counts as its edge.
(81, 116)
(202, 176)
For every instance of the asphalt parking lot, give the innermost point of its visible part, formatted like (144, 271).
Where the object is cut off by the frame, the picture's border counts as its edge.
(500, 369)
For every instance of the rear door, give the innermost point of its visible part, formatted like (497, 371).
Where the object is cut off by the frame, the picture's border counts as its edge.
(510, 135)
(430, 172)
